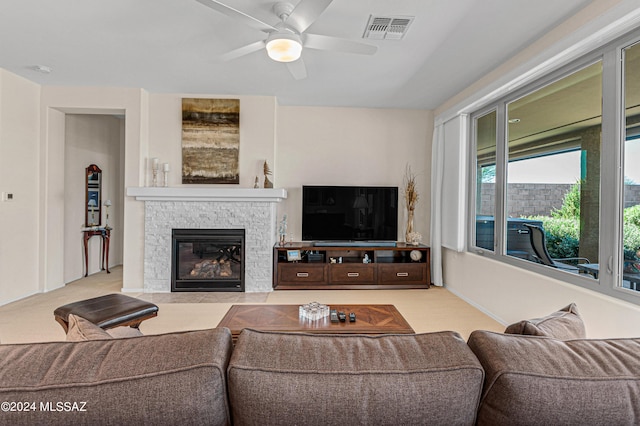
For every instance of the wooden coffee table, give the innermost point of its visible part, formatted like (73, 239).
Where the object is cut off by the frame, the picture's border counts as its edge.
(370, 319)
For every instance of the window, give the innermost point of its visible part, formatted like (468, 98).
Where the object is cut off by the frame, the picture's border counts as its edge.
(556, 175)
(545, 186)
(631, 166)
(486, 177)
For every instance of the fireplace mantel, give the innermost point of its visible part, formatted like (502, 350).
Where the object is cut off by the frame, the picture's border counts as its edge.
(168, 208)
(271, 195)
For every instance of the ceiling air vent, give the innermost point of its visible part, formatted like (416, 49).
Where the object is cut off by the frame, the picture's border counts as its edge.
(387, 27)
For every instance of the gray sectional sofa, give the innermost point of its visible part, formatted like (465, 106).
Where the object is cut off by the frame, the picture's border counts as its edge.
(270, 378)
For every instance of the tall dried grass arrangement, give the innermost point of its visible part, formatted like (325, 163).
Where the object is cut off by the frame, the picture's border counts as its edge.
(411, 199)
(410, 192)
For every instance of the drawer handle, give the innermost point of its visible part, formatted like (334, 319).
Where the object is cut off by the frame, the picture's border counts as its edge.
(353, 274)
(402, 274)
(302, 275)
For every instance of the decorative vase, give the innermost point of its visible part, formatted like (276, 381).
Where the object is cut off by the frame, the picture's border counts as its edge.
(409, 226)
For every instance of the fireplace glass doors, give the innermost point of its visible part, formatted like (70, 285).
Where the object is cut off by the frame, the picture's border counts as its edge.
(207, 260)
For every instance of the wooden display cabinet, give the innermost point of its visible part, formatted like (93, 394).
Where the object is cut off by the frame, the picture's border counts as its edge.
(303, 266)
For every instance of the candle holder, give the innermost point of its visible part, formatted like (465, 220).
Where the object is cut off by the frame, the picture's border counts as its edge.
(107, 204)
(165, 172)
(154, 172)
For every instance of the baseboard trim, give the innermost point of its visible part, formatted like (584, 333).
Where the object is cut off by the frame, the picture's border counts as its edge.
(6, 302)
(475, 305)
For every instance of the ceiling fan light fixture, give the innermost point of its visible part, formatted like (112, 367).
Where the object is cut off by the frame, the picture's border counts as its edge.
(284, 47)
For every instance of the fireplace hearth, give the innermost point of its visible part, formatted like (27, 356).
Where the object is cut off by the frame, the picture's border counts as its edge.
(207, 259)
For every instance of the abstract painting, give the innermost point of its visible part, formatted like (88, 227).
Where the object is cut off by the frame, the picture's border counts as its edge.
(210, 140)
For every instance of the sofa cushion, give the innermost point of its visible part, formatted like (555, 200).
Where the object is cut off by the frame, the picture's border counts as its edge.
(80, 329)
(543, 381)
(294, 378)
(175, 378)
(564, 324)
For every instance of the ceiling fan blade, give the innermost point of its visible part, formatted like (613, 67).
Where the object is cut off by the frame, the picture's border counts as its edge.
(238, 15)
(322, 42)
(297, 69)
(241, 51)
(305, 14)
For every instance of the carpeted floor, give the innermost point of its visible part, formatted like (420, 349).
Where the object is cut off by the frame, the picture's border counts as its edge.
(31, 319)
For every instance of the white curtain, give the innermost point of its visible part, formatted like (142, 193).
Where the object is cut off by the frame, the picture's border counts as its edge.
(437, 174)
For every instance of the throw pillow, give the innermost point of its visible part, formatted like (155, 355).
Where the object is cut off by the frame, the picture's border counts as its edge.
(80, 329)
(124, 332)
(565, 324)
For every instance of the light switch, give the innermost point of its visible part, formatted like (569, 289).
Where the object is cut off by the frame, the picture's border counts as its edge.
(7, 196)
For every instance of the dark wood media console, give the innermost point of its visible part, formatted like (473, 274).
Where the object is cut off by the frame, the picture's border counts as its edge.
(390, 267)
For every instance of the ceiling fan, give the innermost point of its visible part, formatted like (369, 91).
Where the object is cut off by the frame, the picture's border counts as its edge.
(285, 40)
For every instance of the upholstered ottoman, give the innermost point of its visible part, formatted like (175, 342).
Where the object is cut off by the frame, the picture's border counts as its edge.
(111, 310)
(310, 379)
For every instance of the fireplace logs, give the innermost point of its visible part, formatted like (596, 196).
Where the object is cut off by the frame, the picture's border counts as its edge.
(207, 260)
(211, 269)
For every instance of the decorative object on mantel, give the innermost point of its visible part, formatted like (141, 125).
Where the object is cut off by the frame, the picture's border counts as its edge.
(256, 184)
(210, 140)
(154, 171)
(282, 230)
(165, 171)
(267, 172)
(411, 199)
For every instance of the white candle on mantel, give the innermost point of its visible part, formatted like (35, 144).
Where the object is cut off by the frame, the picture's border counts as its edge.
(166, 167)
(155, 163)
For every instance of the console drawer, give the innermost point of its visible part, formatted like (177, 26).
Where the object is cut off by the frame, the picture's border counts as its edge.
(302, 273)
(402, 273)
(352, 273)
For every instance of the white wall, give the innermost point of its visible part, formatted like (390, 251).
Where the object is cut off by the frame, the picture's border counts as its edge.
(507, 292)
(362, 146)
(558, 41)
(257, 134)
(91, 139)
(352, 146)
(19, 173)
(511, 294)
(311, 145)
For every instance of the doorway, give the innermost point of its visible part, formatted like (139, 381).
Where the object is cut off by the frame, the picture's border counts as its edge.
(92, 139)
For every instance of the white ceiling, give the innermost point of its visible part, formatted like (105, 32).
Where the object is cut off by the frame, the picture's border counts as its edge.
(172, 46)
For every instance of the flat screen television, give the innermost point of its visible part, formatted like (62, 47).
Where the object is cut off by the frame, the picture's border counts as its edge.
(349, 213)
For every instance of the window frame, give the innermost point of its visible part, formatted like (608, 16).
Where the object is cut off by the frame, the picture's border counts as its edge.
(611, 178)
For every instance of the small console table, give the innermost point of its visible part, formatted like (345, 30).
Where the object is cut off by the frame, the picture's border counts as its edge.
(303, 265)
(105, 234)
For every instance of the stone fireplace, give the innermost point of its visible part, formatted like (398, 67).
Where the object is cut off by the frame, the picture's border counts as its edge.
(251, 210)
